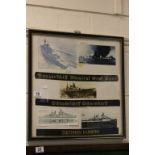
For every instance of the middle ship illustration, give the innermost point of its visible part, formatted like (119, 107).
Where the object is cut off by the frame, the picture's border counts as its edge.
(72, 91)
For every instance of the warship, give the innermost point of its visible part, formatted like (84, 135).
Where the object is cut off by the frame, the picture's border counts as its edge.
(100, 122)
(54, 56)
(50, 55)
(100, 56)
(60, 117)
(72, 91)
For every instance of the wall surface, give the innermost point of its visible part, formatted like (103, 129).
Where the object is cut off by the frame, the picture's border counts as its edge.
(104, 17)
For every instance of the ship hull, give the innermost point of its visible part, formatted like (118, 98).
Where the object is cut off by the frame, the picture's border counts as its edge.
(91, 60)
(99, 124)
(89, 93)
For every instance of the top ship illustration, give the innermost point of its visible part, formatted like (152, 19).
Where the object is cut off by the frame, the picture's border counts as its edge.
(72, 91)
(57, 57)
(100, 56)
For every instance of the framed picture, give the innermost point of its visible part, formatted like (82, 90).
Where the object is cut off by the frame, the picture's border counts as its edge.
(75, 86)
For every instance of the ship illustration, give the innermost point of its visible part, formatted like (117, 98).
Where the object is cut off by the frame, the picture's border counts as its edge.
(100, 122)
(58, 117)
(60, 58)
(72, 91)
(100, 56)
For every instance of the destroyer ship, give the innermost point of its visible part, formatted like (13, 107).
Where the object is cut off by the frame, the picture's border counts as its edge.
(72, 91)
(58, 117)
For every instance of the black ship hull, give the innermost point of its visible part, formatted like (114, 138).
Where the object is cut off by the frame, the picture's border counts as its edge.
(107, 126)
(92, 60)
(99, 124)
(81, 93)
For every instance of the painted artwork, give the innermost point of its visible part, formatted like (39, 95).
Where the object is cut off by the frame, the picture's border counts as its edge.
(98, 121)
(58, 117)
(77, 90)
(57, 55)
(97, 54)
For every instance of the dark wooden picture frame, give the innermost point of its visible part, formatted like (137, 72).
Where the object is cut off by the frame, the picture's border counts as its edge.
(110, 62)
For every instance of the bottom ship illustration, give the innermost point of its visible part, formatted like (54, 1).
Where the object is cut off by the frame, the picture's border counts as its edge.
(60, 117)
(101, 122)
